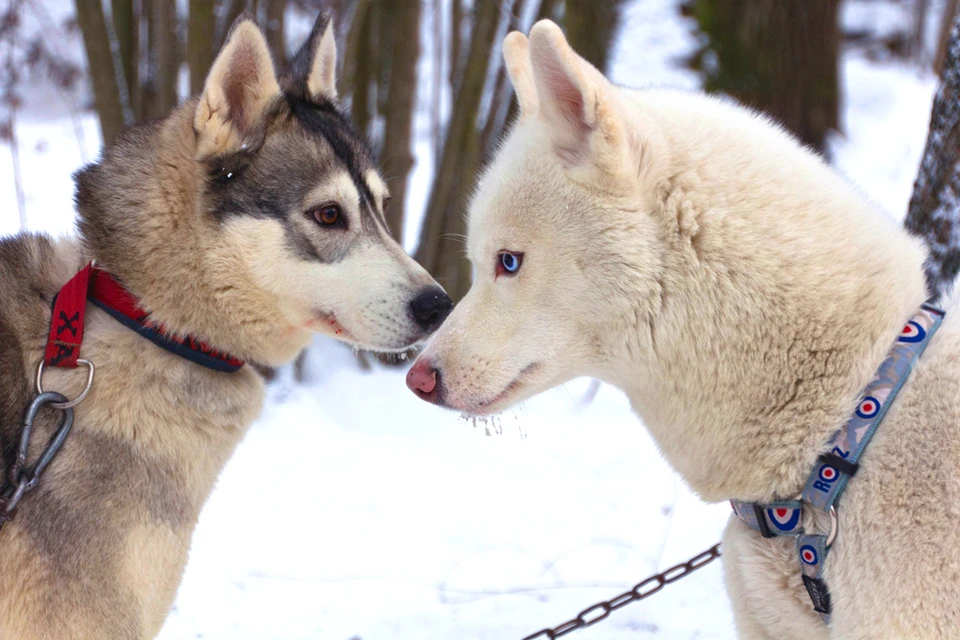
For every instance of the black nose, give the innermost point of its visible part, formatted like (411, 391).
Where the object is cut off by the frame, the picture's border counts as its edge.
(431, 307)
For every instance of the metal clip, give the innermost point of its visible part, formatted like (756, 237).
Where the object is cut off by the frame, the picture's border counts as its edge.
(22, 478)
(834, 526)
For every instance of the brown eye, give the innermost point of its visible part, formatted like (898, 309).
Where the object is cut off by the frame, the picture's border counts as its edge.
(329, 215)
(386, 204)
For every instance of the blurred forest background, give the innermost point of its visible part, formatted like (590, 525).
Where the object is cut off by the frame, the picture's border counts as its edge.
(146, 56)
(439, 531)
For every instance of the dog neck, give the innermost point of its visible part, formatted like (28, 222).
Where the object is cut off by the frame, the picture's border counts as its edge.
(141, 217)
(775, 312)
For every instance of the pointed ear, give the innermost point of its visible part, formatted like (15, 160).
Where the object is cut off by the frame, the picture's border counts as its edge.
(516, 57)
(239, 91)
(574, 98)
(312, 74)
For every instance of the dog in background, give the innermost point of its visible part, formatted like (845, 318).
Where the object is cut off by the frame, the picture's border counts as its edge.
(250, 218)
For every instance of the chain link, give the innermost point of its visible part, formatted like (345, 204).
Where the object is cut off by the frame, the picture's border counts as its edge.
(645, 589)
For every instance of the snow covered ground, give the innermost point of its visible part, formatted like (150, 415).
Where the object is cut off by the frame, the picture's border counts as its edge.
(354, 510)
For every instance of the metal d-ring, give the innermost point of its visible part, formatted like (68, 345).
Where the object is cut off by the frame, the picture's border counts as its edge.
(70, 403)
(834, 526)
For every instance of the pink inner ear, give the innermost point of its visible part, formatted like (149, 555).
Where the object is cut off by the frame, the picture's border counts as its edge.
(566, 100)
(562, 104)
(238, 81)
(566, 95)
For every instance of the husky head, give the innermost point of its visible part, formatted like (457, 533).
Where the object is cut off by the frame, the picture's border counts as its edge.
(545, 238)
(255, 214)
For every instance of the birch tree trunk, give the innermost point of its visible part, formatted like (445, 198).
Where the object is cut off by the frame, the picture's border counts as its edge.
(103, 75)
(934, 212)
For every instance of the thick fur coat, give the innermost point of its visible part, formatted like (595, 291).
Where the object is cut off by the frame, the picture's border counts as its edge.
(249, 218)
(742, 294)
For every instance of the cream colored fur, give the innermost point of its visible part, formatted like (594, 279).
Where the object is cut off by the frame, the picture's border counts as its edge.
(741, 293)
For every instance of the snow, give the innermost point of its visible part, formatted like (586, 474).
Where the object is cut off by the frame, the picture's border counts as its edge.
(885, 120)
(354, 510)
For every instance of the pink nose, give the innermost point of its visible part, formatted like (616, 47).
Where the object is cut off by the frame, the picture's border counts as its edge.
(422, 379)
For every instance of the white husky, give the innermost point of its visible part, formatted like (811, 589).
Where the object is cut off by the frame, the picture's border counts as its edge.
(742, 294)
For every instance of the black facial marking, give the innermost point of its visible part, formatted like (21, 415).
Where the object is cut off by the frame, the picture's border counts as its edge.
(322, 118)
(222, 169)
(306, 142)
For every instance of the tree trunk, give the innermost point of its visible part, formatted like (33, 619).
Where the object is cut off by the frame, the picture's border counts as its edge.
(126, 25)
(456, 40)
(159, 87)
(106, 92)
(148, 78)
(502, 108)
(441, 240)
(356, 45)
(274, 30)
(918, 31)
(548, 10)
(201, 33)
(397, 156)
(386, 36)
(943, 42)
(591, 27)
(364, 69)
(778, 57)
(934, 212)
(436, 83)
(234, 9)
(166, 45)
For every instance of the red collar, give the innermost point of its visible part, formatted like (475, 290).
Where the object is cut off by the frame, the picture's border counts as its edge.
(99, 287)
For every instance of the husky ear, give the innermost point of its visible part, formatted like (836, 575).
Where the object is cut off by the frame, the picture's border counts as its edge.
(573, 97)
(240, 89)
(312, 72)
(516, 57)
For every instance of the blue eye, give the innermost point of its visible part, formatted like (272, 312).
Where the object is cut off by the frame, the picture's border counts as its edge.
(508, 263)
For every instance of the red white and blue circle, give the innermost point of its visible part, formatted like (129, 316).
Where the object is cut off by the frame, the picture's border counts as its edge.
(912, 332)
(808, 555)
(783, 518)
(868, 407)
(828, 473)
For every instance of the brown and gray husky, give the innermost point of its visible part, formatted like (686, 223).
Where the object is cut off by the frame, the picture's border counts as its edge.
(248, 218)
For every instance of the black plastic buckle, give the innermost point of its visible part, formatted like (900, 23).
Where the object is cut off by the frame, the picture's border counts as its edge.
(838, 463)
(765, 531)
(819, 594)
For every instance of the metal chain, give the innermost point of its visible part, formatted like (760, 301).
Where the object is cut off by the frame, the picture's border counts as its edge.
(645, 589)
